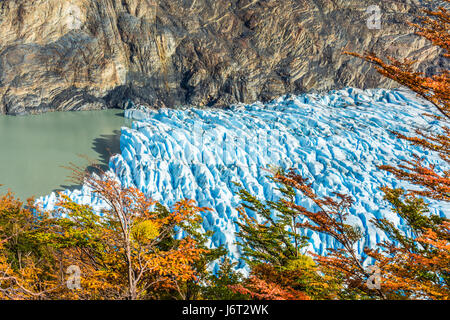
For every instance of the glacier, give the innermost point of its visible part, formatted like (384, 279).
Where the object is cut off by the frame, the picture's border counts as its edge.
(337, 140)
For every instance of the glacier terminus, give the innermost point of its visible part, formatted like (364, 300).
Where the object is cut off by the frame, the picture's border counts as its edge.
(336, 140)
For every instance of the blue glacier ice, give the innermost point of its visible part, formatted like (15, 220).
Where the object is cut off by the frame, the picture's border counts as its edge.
(337, 140)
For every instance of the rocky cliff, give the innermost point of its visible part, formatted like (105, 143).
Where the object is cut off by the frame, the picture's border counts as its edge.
(93, 54)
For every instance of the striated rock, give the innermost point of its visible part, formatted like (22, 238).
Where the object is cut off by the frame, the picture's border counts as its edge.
(93, 54)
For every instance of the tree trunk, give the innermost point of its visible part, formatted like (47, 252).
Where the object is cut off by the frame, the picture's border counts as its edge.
(131, 280)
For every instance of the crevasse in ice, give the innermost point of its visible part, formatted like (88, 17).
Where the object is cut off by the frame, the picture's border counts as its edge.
(337, 140)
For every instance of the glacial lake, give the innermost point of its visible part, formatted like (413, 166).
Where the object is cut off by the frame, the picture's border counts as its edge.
(34, 148)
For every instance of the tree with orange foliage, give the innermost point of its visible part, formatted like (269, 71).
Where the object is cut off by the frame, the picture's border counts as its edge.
(130, 244)
(28, 266)
(416, 266)
(15, 284)
(342, 264)
(269, 283)
(436, 89)
(413, 265)
(128, 250)
(274, 247)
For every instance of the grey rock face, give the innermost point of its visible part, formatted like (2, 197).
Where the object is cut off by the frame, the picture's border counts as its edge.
(93, 54)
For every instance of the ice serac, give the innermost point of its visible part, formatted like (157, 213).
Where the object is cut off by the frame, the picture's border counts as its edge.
(336, 140)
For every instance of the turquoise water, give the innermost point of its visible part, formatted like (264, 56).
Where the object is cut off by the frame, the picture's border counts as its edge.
(34, 148)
